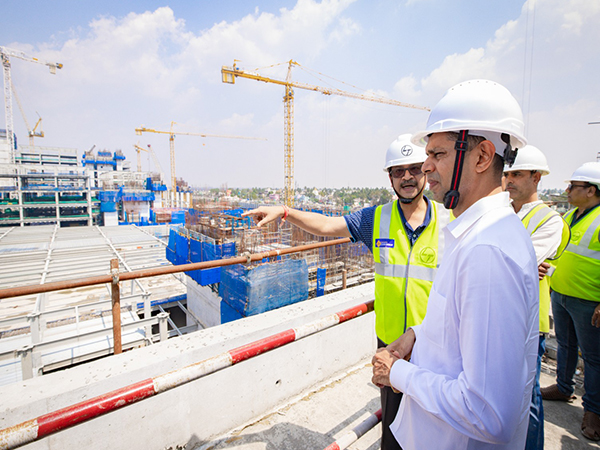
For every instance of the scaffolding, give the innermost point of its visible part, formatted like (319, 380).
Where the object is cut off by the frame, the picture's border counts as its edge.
(328, 268)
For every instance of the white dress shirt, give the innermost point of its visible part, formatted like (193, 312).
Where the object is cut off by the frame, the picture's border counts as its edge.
(468, 384)
(547, 237)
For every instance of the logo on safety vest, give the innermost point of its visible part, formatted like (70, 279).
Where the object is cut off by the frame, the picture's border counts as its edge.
(427, 255)
(575, 236)
(406, 150)
(384, 243)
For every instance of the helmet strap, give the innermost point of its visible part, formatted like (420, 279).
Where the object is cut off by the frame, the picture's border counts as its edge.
(451, 197)
(510, 154)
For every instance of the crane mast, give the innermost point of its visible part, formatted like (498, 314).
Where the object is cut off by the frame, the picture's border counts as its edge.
(5, 55)
(229, 74)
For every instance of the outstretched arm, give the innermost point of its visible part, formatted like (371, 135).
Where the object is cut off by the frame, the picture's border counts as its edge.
(314, 223)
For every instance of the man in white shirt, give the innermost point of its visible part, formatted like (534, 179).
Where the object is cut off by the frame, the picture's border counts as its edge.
(467, 371)
(550, 235)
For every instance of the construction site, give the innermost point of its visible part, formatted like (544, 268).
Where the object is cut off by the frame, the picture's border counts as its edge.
(117, 285)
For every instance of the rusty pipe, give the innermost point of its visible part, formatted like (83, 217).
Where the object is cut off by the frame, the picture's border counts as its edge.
(145, 273)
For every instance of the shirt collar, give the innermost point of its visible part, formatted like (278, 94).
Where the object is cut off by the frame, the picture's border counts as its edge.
(425, 221)
(474, 212)
(528, 207)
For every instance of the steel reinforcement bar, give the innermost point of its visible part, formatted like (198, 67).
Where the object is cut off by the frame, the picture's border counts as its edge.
(145, 273)
(42, 426)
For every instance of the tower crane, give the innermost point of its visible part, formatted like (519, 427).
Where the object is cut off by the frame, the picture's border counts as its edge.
(30, 132)
(5, 55)
(154, 158)
(229, 74)
(172, 135)
(139, 149)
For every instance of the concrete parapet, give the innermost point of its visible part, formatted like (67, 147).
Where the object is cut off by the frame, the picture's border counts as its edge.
(210, 406)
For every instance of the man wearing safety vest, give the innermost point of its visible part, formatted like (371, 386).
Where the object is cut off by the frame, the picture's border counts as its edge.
(550, 235)
(467, 371)
(575, 296)
(404, 237)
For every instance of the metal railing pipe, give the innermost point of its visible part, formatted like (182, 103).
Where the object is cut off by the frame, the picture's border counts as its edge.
(356, 433)
(145, 273)
(42, 426)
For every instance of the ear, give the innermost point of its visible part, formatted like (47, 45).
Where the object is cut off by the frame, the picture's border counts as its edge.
(537, 176)
(484, 153)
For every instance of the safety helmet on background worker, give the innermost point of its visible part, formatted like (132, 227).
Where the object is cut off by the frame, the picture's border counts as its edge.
(529, 158)
(589, 172)
(402, 151)
(484, 108)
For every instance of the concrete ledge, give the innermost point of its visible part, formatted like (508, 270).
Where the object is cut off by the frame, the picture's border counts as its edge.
(194, 413)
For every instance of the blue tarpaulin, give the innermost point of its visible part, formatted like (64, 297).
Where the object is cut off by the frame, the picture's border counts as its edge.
(255, 289)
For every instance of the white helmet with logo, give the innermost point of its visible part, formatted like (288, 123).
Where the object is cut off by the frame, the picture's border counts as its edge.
(402, 151)
(588, 172)
(482, 107)
(529, 158)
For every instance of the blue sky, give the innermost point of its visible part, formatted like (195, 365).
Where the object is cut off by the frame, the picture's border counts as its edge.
(148, 63)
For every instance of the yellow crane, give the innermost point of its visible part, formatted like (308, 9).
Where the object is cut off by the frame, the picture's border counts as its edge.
(31, 132)
(5, 55)
(172, 135)
(154, 158)
(229, 74)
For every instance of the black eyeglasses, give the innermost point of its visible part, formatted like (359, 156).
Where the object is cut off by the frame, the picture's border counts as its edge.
(398, 172)
(571, 186)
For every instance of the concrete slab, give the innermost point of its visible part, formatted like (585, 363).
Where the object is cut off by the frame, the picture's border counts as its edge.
(335, 408)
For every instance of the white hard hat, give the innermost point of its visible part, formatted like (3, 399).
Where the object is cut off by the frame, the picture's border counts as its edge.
(402, 151)
(529, 158)
(482, 107)
(588, 172)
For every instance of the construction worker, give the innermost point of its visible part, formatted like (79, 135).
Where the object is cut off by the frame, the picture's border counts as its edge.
(467, 371)
(403, 238)
(575, 298)
(550, 235)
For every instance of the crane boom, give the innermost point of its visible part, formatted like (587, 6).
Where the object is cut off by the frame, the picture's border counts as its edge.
(172, 135)
(229, 74)
(5, 55)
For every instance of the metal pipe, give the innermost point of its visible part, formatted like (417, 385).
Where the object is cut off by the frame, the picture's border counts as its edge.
(145, 273)
(349, 438)
(42, 426)
(116, 306)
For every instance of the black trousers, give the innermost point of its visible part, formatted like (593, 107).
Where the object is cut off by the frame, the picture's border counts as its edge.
(390, 402)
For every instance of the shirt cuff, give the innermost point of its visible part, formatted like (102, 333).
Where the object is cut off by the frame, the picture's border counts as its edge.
(416, 329)
(399, 374)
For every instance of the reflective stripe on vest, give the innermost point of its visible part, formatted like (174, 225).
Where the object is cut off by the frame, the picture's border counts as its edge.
(578, 270)
(533, 220)
(404, 274)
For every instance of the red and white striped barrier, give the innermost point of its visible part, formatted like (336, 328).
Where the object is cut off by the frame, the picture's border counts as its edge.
(42, 426)
(356, 432)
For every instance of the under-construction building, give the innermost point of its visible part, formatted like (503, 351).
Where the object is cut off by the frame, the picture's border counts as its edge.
(220, 295)
(44, 185)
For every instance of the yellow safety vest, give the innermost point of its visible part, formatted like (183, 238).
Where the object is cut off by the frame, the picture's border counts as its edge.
(534, 219)
(404, 275)
(577, 272)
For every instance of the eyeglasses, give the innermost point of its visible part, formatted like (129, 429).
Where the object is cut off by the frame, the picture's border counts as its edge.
(398, 172)
(571, 186)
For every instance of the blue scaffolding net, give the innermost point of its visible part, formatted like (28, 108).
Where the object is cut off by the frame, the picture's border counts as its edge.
(249, 290)
(186, 247)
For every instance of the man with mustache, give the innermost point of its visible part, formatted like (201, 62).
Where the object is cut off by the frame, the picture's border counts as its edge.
(550, 235)
(403, 237)
(467, 371)
(576, 299)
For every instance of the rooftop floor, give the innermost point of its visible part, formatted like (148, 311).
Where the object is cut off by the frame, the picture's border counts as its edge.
(336, 407)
